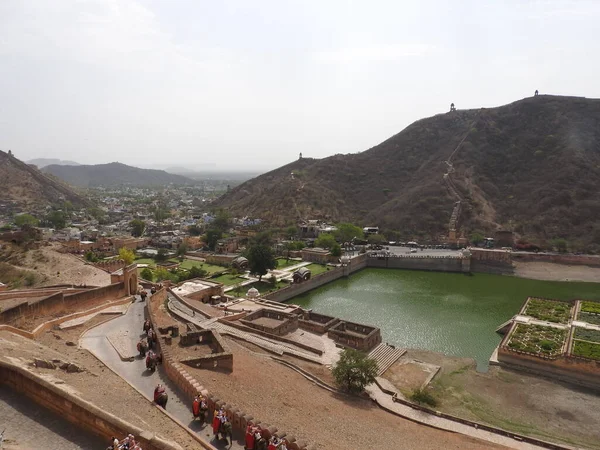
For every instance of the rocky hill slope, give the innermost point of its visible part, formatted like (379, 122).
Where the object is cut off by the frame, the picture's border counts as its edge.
(532, 166)
(114, 174)
(27, 188)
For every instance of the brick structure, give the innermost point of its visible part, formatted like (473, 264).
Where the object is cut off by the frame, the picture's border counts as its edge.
(317, 255)
(199, 289)
(317, 323)
(272, 322)
(355, 335)
(218, 357)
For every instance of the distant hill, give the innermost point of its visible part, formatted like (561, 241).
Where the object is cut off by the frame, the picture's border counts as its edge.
(114, 174)
(532, 166)
(29, 188)
(43, 162)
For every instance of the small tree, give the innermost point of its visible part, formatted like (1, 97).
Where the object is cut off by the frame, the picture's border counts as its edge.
(376, 239)
(560, 244)
(325, 240)
(346, 232)
(354, 371)
(161, 255)
(126, 255)
(182, 250)
(336, 250)
(137, 227)
(260, 260)
(197, 272)
(476, 238)
(26, 219)
(212, 237)
(147, 274)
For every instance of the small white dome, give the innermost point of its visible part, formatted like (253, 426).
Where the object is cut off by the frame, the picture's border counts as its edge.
(253, 293)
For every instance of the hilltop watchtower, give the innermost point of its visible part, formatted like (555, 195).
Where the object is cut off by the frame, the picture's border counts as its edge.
(452, 108)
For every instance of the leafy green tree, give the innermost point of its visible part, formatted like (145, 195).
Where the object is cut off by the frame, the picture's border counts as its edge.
(26, 219)
(57, 219)
(147, 274)
(212, 237)
(354, 370)
(182, 250)
(336, 250)
(160, 211)
(476, 238)
(263, 238)
(91, 256)
(96, 213)
(260, 259)
(137, 227)
(126, 255)
(560, 244)
(346, 232)
(325, 240)
(221, 221)
(162, 274)
(291, 231)
(162, 255)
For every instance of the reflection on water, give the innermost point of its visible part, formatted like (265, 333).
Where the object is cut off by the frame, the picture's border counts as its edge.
(450, 313)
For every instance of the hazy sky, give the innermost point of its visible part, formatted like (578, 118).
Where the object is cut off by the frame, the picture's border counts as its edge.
(249, 84)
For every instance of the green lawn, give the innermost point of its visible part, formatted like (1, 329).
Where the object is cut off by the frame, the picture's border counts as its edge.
(316, 269)
(189, 263)
(148, 261)
(265, 287)
(282, 263)
(228, 279)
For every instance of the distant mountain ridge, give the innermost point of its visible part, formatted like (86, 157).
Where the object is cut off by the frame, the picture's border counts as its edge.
(532, 166)
(29, 188)
(114, 174)
(43, 162)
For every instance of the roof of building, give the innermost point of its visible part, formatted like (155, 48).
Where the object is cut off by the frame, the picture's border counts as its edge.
(302, 271)
(191, 286)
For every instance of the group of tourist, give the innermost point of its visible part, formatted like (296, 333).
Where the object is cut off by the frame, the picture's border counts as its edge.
(255, 441)
(219, 419)
(128, 443)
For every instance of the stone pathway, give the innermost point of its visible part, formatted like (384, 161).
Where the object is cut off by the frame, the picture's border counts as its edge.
(117, 309)
(29, 426)
(385, 401)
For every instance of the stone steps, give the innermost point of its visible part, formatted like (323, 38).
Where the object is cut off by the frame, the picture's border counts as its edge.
(385, 355)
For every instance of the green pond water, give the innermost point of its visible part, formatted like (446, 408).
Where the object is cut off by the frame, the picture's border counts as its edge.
(455, 314)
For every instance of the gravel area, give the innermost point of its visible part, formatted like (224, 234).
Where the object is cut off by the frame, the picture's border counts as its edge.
(556, 272)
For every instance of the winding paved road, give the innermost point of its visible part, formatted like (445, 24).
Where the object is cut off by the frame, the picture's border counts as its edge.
(129, 328)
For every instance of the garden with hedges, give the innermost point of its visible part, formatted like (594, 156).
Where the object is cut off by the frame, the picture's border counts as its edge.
(586, 343)
(538, 339)
(548, 310)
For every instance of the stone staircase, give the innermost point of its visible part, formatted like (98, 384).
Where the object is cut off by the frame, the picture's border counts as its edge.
(385, 355)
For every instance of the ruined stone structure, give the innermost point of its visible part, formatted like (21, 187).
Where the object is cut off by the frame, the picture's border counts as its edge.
(218, 357)
(355, 335)
(273, 322)
(317, 323)
(317, 255)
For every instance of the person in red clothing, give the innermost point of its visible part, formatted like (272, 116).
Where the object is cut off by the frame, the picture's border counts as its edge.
(249, 437)
(216, 423)
(196, 407)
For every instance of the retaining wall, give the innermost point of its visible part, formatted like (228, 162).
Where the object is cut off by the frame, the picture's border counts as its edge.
(191, 387)
(433, 263)
(76, 410)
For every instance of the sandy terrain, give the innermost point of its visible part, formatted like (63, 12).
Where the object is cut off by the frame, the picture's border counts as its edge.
(281, 397)
(515, 401)
(556, 272)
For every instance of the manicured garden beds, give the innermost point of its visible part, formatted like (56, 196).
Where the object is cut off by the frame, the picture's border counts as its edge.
(548, 310)
(264, 287)
(590, 307)
(589, 317)
(316, 269)
(538, 339)
(228, 279)
(148, 261)
(587, 335)
(586, 349)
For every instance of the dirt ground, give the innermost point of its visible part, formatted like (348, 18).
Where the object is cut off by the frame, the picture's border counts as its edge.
(515, 401)
(408, 375)
(281, 397)
(97, 384)
(52, 267)
(556, 272)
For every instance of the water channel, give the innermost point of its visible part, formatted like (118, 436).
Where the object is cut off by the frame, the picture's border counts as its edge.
(455, 314)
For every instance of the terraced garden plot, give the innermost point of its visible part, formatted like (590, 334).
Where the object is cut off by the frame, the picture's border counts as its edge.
(538, 339)
(586, 349)
(548, 310)
(589, 317)
(282, 263)
(316, 269)
(587, 335)
(228, 279)
(590, 307)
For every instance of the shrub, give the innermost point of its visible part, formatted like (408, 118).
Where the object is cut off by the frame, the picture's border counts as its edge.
(423, 397)
(354, 370)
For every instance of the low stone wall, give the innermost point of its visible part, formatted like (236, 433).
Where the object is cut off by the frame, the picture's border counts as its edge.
(317, 323)
(191, 387)
(220, 358)
(286, 323)
(580, 371)
(433, 263)
(355, 335)
(56, 303)
(76, 410)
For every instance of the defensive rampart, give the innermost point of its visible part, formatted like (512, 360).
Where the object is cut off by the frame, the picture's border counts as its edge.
(433, 263)
(76, 410)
